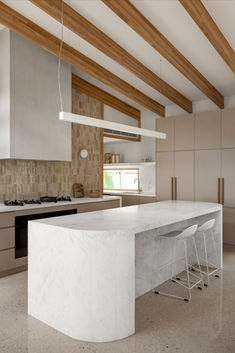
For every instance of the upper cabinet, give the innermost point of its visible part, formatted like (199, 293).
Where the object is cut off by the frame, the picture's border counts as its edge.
(180, 133)
(228, 128)
(166, 125)
(30, 104)
(184, 132)
(208, 130)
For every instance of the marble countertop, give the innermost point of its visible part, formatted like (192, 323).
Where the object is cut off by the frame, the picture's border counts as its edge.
(74, 201)
(134, 219)
(130, 193)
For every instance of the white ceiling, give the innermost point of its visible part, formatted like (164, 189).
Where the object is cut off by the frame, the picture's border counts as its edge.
(172, 20)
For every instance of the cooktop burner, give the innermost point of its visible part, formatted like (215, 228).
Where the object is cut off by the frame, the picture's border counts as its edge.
(14, 203)
(35, 202)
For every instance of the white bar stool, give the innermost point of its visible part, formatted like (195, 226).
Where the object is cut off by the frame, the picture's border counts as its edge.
(206, 230)
(182, 236)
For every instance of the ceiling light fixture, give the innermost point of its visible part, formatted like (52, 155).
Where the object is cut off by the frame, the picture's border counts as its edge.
(86, 120)
(105, 124)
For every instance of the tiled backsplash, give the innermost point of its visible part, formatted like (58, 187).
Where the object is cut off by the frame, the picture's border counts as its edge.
(22, 179)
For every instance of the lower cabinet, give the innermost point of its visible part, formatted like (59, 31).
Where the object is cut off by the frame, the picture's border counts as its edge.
(229, 225)
(129, 200)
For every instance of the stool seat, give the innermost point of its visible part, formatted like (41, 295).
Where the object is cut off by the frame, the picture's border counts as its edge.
(182, 234)
(206, 226)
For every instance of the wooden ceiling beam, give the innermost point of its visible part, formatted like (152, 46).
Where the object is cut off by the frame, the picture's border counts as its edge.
(28, 29)
(205, 22)
(91, 90)
(86, 30)
(140, 24)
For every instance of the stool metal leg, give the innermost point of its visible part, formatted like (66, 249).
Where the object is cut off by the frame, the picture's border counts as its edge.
(187, 269)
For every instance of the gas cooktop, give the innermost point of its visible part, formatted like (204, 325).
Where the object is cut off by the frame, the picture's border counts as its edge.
(42, 199)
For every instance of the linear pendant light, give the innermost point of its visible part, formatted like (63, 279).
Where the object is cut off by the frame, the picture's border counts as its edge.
(105, 124)
(86, 120)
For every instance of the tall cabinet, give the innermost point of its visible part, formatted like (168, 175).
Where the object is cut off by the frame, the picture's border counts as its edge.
(197, 161)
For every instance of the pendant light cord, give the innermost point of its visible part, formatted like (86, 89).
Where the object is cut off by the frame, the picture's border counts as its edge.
(60, 51)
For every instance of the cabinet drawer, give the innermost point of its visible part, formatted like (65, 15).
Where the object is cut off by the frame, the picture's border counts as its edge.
(130, 200)
(7, 259)
(7, 238)
(7, 219)
(98, 206)
(147, 199)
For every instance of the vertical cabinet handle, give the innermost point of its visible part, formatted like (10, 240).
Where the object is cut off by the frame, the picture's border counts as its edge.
(175, 188)
(222, 200)
(218, 190)
(172, 188)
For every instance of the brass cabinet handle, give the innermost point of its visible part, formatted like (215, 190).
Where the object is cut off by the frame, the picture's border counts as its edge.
(222, 201)
(218, 190)
(175, 188)
(172, 188)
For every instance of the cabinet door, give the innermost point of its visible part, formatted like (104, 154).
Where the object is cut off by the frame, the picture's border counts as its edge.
(184, 173)
(128, 200)
(207, 172)
(166, 125)
(184, 132)
(165, 171)
(229, 225)
(208, 130)
(228, 173)
(228, 128)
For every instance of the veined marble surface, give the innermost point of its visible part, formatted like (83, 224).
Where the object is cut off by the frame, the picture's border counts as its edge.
(137, 218)
(75, 201)
(85, 270)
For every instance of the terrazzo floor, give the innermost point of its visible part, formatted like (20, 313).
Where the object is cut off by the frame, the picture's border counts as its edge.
(163, 325)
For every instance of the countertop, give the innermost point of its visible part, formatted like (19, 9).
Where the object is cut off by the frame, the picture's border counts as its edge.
(134, 219)
(74, 201)
(126, 193)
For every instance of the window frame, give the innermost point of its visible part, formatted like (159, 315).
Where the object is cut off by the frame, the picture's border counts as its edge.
(131, 190)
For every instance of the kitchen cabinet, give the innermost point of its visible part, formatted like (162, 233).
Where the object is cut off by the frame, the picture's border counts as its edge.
(164, 175)
(184, 174)
(228, 128)
(184, 132)
(229, 225)
(228, 173)
(166, 125)
(208, 130)
(8, 263)
(207, 172)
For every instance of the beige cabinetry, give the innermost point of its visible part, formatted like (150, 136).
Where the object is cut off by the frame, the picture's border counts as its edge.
(184, 175)
(207, 172)
(164, 174)
(167, 126)
(131, 200)
(198, 161)
(228, 174)
(184, 132)
(228, 128)
(208, 130)
(229, 225)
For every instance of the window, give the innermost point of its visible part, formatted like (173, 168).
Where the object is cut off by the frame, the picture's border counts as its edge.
(121, 179)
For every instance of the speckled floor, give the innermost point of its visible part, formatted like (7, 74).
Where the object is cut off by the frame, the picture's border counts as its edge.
(163, 325)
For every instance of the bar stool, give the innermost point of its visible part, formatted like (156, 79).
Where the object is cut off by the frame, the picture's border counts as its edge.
(183, 236)
(205, 230)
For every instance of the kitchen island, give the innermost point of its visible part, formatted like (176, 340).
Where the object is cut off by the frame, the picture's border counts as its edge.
(86, 270)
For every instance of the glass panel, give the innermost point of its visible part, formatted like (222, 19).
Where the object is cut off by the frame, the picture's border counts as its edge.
(121, 179)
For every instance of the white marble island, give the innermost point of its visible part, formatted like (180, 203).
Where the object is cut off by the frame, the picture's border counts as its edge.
(86, 270)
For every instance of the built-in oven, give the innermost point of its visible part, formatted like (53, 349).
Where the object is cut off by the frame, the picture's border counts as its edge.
(21, 229)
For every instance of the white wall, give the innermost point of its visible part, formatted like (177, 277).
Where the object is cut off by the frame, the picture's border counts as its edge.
(4, 93)
(135, 151)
